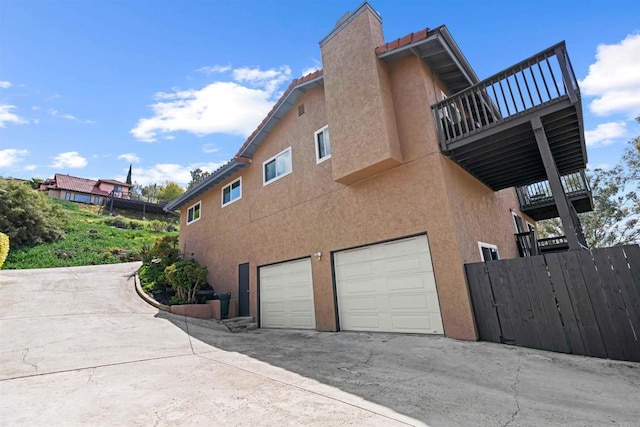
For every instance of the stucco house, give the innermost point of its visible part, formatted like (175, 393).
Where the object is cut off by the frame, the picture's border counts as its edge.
(84, 190)
(357, 201)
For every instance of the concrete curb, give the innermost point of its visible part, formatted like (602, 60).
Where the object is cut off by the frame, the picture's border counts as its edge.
(146, 297)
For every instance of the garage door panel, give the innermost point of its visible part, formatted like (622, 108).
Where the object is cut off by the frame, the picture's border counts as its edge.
(408, 283)
(403, 264)
(397, 295)
(411, 323)
(286, 295)
(356, 287)
(369, 303)
(408, 302)
(362, 323)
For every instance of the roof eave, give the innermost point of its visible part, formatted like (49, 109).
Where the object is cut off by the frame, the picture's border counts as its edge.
(212, 180)
(283, 107)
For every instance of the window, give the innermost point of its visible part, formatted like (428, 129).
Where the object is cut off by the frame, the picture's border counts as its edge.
(517, 222)
(277, 167)
(96, 200)
(232, 192)
(488, 252)
(84, 198)
(67, 196)
(117, 189)
(193, 213)
(323, 145)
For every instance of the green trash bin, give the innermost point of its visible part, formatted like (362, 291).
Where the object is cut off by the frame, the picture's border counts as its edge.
(224, 305)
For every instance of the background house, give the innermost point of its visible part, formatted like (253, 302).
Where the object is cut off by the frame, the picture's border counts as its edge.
(84, 190)
(357, 201)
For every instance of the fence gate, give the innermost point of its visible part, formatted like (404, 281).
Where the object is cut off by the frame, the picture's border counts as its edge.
(580, 302)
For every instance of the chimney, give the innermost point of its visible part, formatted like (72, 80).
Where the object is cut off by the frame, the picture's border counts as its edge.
(362, 123)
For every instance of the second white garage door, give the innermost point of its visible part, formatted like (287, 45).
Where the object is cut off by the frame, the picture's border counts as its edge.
(286, 295)
(388, 287)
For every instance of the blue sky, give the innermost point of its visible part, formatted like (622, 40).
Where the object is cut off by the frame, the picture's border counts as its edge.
(88, 87)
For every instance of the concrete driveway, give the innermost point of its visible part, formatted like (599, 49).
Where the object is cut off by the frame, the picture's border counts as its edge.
(78, 347)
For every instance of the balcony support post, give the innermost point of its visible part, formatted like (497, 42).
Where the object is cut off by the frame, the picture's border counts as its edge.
(559, 196)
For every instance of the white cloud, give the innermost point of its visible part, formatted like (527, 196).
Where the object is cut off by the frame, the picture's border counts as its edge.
(11, 156)
(614, 79)
(55, 113)
(315, 67)
(605, 133)
(212, 69)
(6, 116)
(70, 159)
(209, 148)
(163, 172)
(129, 157)
(30, 167)
(5, 84)
(230, 107)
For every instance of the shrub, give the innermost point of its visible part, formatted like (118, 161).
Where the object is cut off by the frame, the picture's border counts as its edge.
(157, 225)
(117, 221)
(166, 250)
(29, 217)
(186, 277)
(4, 248)
(153, 279)
(136, 225)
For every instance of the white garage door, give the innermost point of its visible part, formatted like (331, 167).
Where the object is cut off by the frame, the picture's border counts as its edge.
(388, 287)
(286, 295)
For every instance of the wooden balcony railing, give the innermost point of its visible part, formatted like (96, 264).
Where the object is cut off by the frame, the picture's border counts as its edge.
(522, 88)
(539, 193)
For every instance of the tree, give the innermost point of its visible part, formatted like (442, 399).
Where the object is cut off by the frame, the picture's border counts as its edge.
(170, 191)
(615, 219)
(27, 216)
(197, 176)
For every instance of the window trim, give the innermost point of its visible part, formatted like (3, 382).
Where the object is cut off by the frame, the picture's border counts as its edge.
(199, 202)
(264, 175)
(223, 204)
(487, 246)
(315, 144)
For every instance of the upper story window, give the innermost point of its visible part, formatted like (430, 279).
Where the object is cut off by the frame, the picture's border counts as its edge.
(323, 144)
(117, 189)
(232, 192)
(193, 213)
(277, 167)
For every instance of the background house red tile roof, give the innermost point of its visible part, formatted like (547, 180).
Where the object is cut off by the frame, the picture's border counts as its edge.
(80, 185)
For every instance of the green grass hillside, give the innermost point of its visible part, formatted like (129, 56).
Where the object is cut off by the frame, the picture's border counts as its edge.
(91, 239)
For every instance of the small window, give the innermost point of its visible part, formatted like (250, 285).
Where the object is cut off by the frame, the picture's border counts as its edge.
(96, 200)
(117, 189)
(193, 213)
(277, 167)
(67, 196)
(232, 192)
(488, 252)
(323, 145)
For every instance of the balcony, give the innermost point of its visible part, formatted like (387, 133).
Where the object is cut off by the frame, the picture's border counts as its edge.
(487, 129)
(537, 202)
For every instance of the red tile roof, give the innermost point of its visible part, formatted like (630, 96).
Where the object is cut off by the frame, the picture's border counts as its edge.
(291, 87)
(80, 185)
(403, 41)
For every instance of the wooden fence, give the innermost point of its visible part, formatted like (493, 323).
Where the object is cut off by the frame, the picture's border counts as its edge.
(580, 302)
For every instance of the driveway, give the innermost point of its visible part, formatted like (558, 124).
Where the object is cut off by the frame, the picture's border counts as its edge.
(78, 347)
